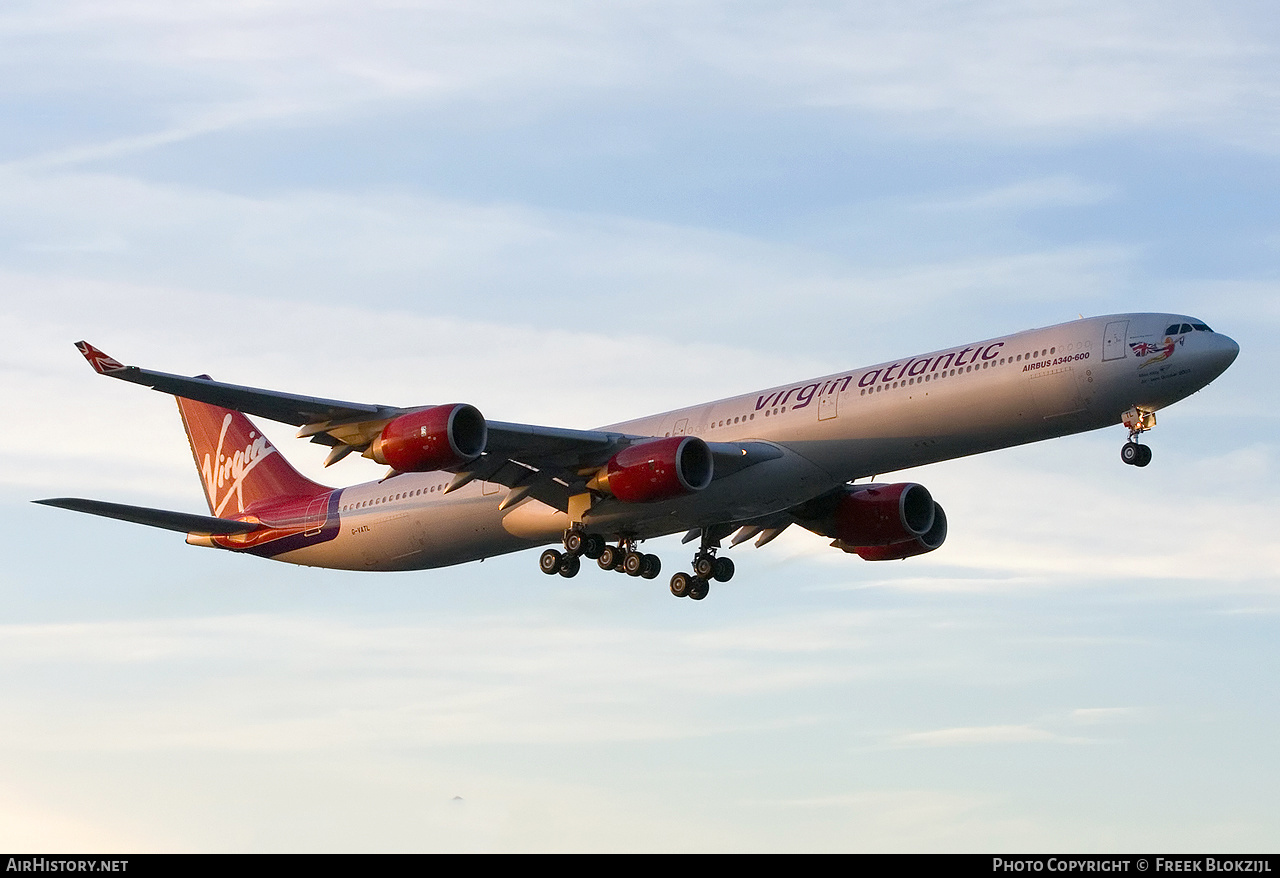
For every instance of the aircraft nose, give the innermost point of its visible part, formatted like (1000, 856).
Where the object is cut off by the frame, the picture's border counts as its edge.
(1224, 352)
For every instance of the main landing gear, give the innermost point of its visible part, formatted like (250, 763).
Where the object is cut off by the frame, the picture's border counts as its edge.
(577, 544)
(706, 567)
(624, 558)
(1138, 421)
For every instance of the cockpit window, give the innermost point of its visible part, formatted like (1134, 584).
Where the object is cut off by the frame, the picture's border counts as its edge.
(1172, 330)
(1200, 327)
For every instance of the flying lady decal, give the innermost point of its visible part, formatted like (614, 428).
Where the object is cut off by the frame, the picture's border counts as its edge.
(1161, 351)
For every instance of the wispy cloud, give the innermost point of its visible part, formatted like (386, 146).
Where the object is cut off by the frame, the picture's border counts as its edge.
(973, 735)
(1084, 67)
(1106, 715)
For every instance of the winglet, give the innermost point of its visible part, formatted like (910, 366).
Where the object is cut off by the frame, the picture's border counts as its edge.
(101, 363)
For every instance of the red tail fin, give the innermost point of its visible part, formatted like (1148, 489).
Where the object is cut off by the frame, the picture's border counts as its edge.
(239, 466)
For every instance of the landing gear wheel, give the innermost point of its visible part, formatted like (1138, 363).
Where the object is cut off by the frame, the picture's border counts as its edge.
(704, 566)
(549, 563)
(698, 588)
(569, 566)
(1144, 455)
(609, 557)
(573, 541)
(680, 584)
(1131, 453)
(633, 563)
(651, 567)
(723, 570)
(593, 545)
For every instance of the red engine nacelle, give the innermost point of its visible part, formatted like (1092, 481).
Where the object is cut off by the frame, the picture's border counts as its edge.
(660, 469)
(887, 522)
(918, 545)
(433, 439)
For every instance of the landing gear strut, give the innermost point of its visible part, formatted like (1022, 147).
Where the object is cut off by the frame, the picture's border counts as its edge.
(1138, 421)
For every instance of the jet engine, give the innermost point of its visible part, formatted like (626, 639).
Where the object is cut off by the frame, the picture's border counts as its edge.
(883, 522)
(432, 439)
(659, 469)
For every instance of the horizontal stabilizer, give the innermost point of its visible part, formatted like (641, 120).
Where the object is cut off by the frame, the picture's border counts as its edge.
(179, 521)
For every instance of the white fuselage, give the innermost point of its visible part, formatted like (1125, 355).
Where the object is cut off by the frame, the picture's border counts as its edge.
(993, 394)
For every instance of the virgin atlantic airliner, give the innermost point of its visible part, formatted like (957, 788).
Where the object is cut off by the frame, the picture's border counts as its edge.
(461, 487)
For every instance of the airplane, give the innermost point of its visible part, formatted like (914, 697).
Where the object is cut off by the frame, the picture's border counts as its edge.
(461, 487)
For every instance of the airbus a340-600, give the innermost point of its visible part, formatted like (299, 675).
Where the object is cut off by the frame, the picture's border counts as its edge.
(461, 487)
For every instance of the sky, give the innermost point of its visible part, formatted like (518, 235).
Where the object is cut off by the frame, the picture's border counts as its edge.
(572, 214)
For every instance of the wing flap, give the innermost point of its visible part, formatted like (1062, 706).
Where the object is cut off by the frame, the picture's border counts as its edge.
(527, 440)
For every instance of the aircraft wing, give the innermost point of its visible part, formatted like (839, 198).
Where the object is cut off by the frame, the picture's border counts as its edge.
(333, 421)
(550, 464)
(287, 408)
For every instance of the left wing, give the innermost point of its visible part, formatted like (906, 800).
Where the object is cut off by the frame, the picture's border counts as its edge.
(287, 408)
(550, 464)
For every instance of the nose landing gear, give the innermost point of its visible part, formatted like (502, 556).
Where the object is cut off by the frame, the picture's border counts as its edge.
(1138, 421)
(1134, 454)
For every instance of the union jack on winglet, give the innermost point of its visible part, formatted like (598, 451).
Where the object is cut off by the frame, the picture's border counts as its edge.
(102, 363)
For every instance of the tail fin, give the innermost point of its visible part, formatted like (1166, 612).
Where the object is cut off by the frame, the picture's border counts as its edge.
(238, 465)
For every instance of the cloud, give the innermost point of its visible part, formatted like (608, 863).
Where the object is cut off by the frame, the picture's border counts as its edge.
(1025, 195)
(1082, 67)
(1106, 715)
(377, 683)
(972, 735)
